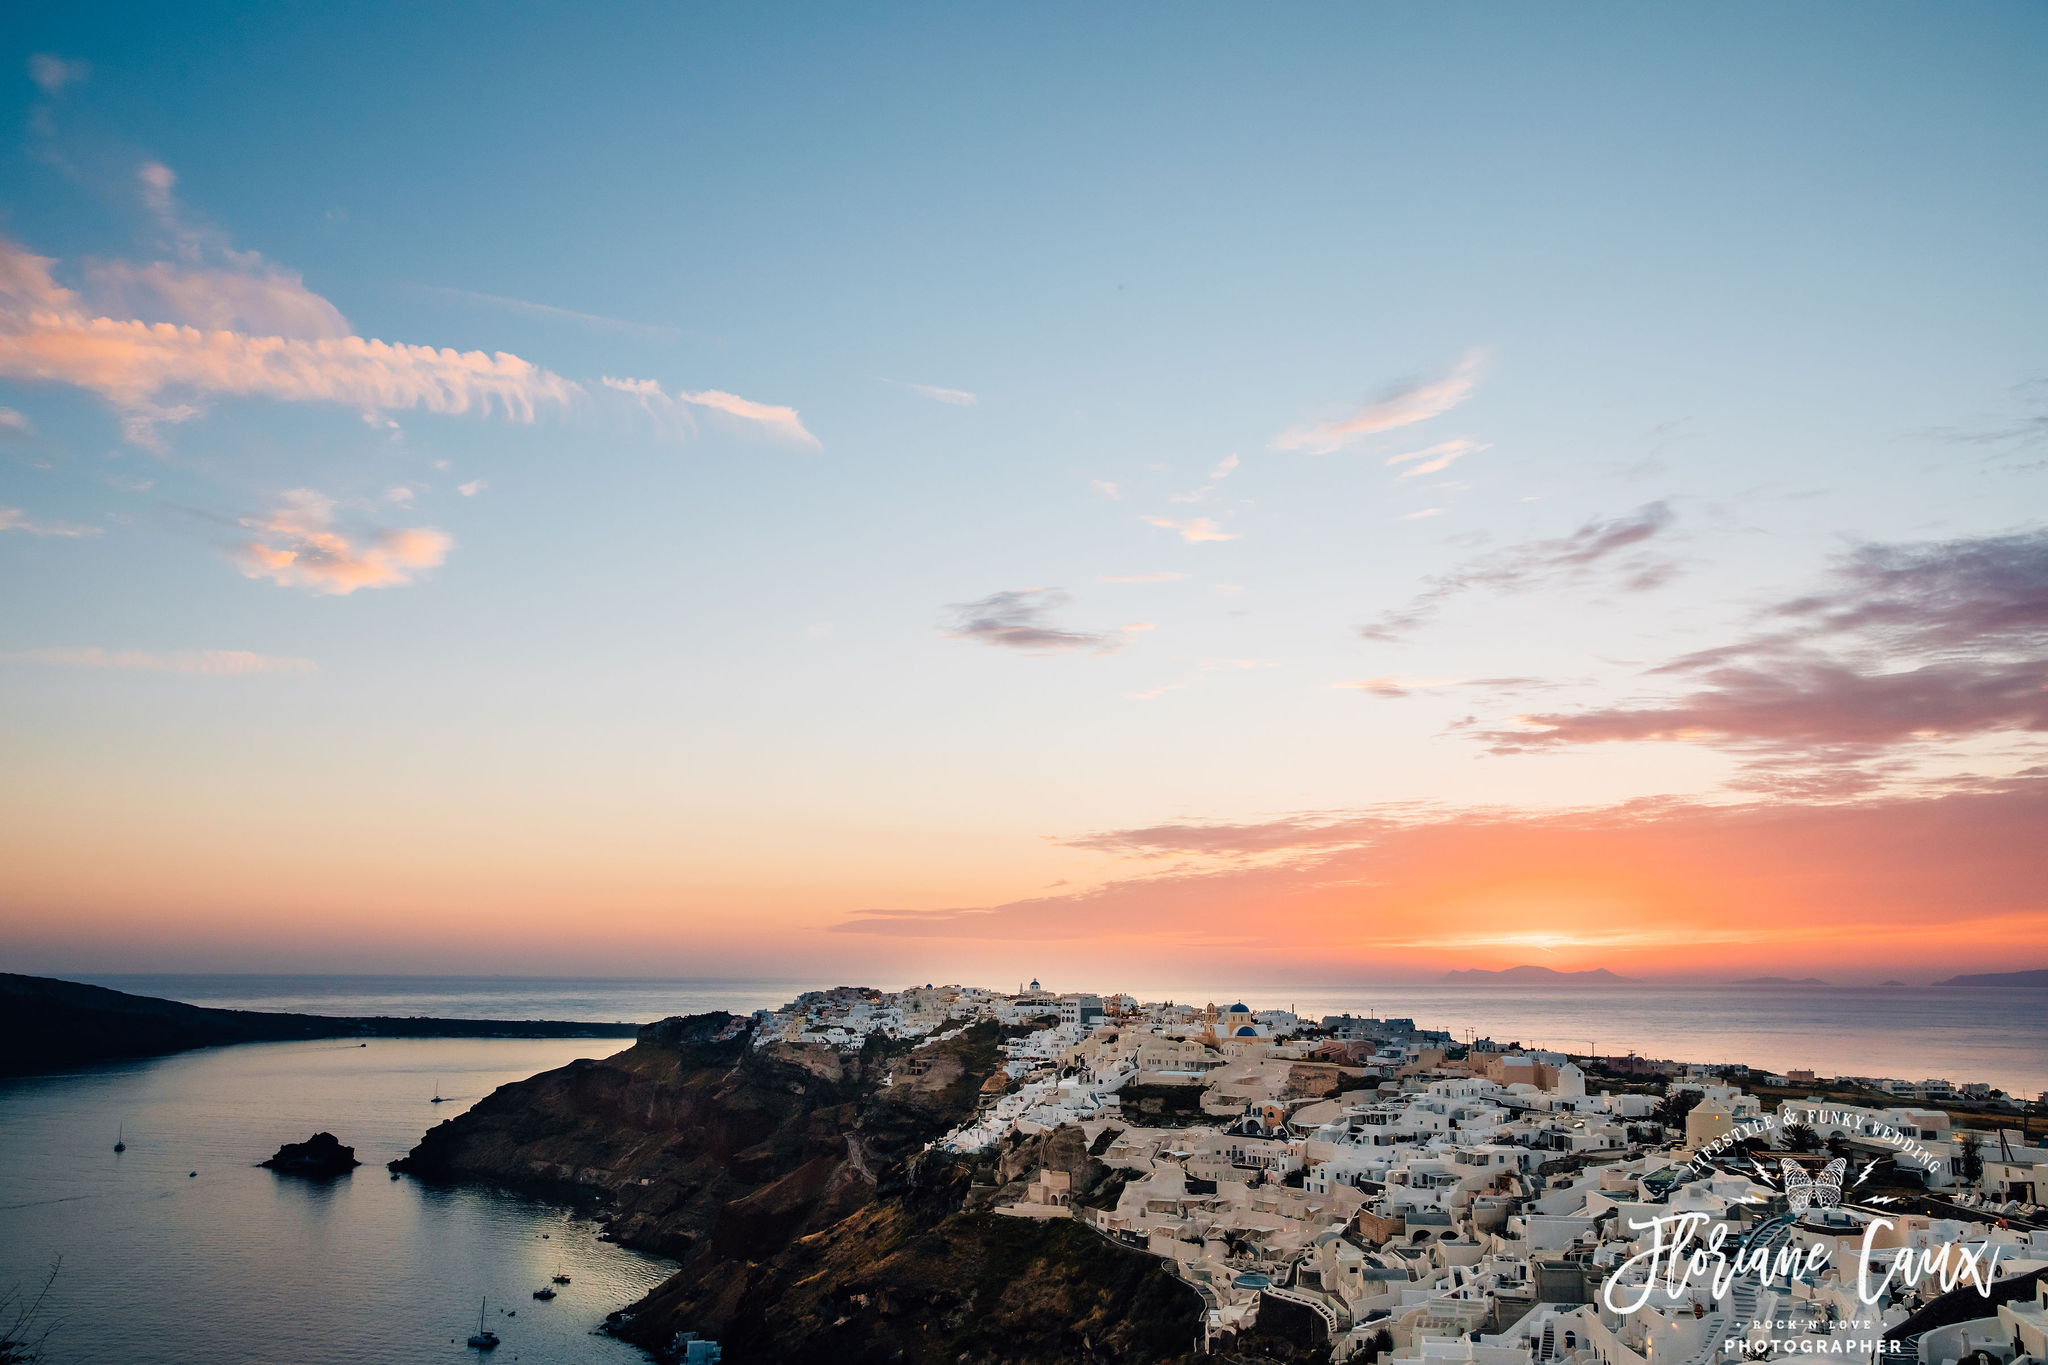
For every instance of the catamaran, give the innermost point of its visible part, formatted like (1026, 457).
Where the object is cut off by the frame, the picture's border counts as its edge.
(482, 1340)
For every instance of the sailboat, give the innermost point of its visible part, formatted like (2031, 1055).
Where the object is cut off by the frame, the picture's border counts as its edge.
(120, 1137)
(482, 1340)
(438, 1097)
(560, 1278)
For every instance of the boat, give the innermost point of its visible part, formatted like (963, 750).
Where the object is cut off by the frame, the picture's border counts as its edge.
(544, 1292)
(438, 1097)
(481, 1339)
(120, 1137)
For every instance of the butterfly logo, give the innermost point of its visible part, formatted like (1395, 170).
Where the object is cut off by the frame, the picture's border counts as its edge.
(1823, 1191)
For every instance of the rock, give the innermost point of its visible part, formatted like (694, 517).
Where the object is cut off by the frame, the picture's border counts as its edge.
(319, 1155)
(811, 1222)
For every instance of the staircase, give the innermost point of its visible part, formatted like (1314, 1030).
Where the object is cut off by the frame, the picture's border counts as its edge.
(1314, 1303)
(1744, 1294)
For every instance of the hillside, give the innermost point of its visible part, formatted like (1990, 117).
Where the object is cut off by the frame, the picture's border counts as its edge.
(2037, 977)
(51, 1024)
(793, 1184)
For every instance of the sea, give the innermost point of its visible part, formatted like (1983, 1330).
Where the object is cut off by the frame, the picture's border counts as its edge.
(181, 1250)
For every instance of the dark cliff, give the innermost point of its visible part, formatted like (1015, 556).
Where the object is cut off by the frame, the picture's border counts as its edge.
(50, 1024)
(793, 1184)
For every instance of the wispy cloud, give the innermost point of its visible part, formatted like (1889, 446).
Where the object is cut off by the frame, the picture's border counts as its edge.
(1422, 515)
(771, 419)
(209, 662)
(472, 488)
(51, 73)
(1906, 645)
(959, 398)
(298, 544)
(1163, 576)
(1400, 407)
(14, 426)
(152, 369)
(1434, 459)
(1106, 489)
(1194, 531)
(1222, 470)
(14, 519)
(1539, 562)
(781, 420)
(1154, 694)
(1023, 620)
(1392, 688)
(594, 321)
(1661, 879)
(259, 299)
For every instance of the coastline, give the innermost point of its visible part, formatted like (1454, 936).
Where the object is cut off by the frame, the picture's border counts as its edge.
(54, 1024)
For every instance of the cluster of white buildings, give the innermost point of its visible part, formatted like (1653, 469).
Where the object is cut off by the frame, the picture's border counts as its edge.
(1486, 1208)
(845, 1016)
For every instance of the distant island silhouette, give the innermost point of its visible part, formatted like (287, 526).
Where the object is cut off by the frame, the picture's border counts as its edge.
(1778, 981)
(2036, 977)
(50, 1024)
(1536, 976)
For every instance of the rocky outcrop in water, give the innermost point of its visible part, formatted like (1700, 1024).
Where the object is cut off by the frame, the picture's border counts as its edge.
(793, 1184)
(319, 1156)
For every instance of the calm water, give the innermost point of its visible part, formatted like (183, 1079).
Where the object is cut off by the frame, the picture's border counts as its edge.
(598, 999)
(1999, 1037)
(241, 1265)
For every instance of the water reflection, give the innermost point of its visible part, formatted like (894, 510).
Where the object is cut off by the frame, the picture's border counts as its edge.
(243, 1264)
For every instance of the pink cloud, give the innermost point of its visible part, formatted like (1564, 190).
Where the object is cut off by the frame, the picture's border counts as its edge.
(1403, 407)
(298, 545)
(269, 302)
(778, 420)
(210, 662)
(1193, 531)
(51, 73)
(781, 420)
(14, 519)
(47, 334)
(1433, 459)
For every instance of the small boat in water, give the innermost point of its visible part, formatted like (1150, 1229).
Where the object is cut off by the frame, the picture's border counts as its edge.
(438, 1097)
(544, 1292)
(481, 1339)
(120, 1137)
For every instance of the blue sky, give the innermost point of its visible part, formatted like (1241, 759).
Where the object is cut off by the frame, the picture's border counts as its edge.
(1744, 288)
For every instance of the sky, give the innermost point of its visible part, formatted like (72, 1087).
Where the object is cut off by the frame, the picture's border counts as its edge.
(906, 492)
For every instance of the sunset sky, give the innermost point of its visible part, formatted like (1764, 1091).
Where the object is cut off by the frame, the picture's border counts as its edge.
(1109, 493)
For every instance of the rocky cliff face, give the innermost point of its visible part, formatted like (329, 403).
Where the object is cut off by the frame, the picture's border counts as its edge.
(792, 1183)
